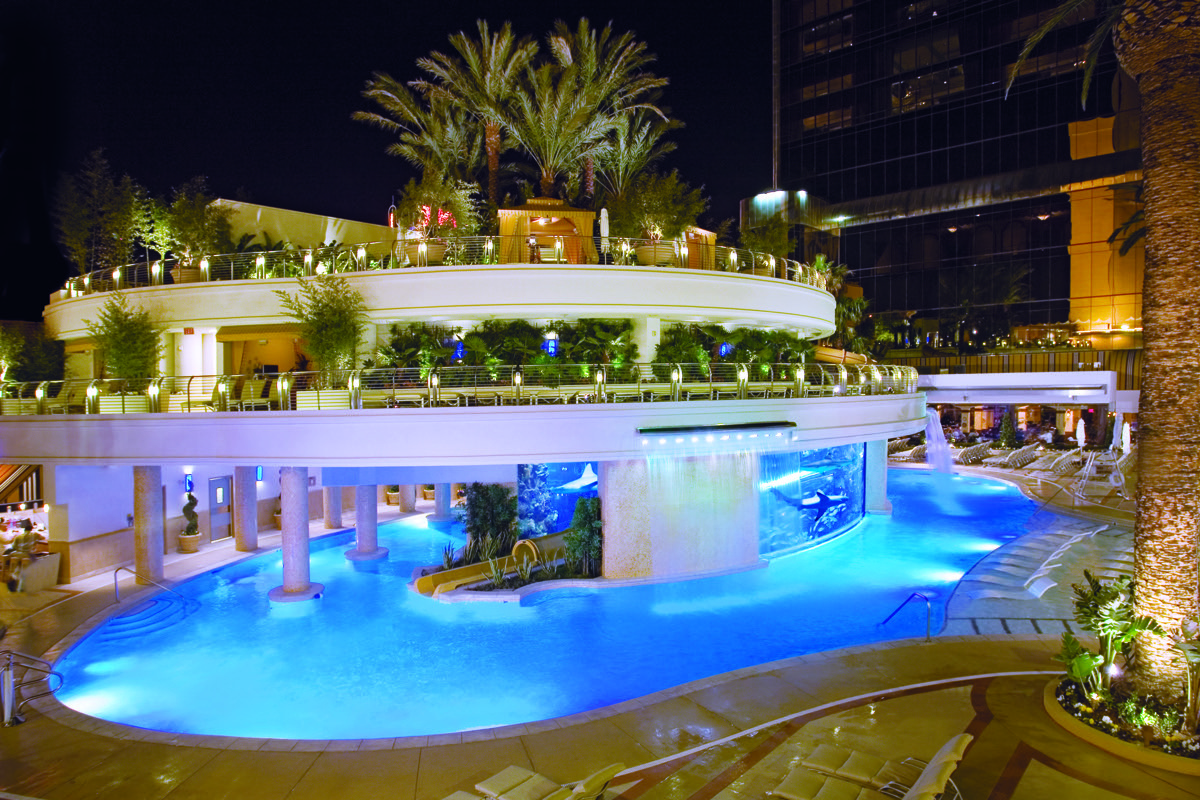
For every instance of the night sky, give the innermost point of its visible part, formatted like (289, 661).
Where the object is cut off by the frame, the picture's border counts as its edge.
(258, 97)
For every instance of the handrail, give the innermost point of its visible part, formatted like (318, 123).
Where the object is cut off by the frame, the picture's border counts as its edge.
(117, 588)
(928, 613)
(10, 662)
(397, 387)
(570, 250)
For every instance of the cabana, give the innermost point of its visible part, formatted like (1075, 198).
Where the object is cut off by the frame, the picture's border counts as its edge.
(546, 229)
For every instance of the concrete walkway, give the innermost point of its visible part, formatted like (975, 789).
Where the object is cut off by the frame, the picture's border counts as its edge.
(733, 735)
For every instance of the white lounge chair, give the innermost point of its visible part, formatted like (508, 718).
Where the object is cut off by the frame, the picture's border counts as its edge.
(518, 783)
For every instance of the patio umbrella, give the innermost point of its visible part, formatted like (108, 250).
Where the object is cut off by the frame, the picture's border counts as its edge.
(1080, 433)
(1126, 438)
(1116, 438)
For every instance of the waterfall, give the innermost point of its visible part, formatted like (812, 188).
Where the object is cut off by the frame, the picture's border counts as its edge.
(937, 451)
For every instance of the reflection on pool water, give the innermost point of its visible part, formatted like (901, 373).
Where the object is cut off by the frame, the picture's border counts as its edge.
(372, 659)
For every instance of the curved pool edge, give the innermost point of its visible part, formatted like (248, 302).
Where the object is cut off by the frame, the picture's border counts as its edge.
(57, 712)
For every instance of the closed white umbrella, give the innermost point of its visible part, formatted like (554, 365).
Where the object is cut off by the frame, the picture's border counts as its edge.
(1126, 438)
(1116, 431)
(1080, 433)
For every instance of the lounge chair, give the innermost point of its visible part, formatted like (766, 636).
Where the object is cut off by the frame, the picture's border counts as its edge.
(518, 783)
(875, 772)
(930, 781)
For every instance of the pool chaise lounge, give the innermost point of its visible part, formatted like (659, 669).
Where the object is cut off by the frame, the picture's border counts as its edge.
(835, 773)
(518, 783)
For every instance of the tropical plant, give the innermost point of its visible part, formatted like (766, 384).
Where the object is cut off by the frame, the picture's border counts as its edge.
(1186, 642)
(610, 69)
(1157, 43)
(11, 345)
(433, 132)
(126, 339)
(585, 540)
(482, 82)
(536, 512)
(634, 145)
(490, 518)
(331, 314)
(1107, 610)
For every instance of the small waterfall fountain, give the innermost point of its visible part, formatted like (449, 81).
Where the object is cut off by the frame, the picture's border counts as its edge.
(937, 451)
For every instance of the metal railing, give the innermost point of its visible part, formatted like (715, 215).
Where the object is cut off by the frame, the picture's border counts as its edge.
(117, 587)
(464, 250)
(12, 685)
(413, 387)
(928, 614)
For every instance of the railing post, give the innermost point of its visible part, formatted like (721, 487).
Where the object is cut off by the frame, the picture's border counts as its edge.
(8, 691)
(355, 386)
(676, 381)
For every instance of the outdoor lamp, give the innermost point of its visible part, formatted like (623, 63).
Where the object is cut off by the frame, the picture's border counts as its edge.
(733, 259)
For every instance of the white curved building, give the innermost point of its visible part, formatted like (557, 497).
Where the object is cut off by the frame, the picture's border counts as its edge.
(692, 470)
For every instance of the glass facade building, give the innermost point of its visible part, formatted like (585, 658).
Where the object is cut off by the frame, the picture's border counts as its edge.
(945, 193)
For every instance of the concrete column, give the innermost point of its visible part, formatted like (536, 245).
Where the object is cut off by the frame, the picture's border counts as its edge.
(147, 524)
(876, 478)
(245, 509)
(331, 497)
(293, 501)
(366, 519)
(408, 497)
(647, 332)
(440, 518)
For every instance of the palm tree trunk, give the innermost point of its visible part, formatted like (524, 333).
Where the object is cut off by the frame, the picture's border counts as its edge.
(491, 142)
(547, 184)
(1158, 44)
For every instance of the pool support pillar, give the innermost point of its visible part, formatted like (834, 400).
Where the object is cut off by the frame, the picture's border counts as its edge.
(407, 497)
(366, 522)
(245, 509)
(148, 536)
(441, 517)
(293, 504)
(876, 478)
(331, 503)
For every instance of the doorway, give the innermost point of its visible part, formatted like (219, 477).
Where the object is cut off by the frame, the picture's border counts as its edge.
(220, 504)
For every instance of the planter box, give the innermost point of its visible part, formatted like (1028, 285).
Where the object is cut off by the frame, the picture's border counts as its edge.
(393, 498)
(189, 543)
(435, 253)
(124, 403)
(427, 494)
(14, 405)
(649, 255)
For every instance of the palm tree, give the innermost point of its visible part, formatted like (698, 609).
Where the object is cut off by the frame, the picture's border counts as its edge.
(433, 134)
(635, 144)
(482, 82)
(557, 124)
(1158, 44)
(608, 68)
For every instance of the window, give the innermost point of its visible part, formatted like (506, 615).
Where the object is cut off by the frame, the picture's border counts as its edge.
(828, 36)
(926, 90)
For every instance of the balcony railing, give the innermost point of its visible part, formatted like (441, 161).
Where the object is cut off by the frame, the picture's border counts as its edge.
(458, 386)
(465, 250)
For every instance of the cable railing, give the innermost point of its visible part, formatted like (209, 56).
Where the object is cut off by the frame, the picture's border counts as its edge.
(294, 262)
(456, 386)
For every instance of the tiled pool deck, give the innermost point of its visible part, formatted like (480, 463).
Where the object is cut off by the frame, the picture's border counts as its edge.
(729, 736)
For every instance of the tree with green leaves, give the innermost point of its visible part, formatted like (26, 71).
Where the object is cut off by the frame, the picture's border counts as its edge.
(1157, 43)
(11, 345)
(773, 237)
(195, 225)
(584, 541)
(127, 341)
(97, 215)
(660, 206)
(489, 520)
(481, 81)
(331, 314)
(635, 144)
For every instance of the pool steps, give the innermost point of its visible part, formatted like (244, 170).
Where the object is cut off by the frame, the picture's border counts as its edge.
(153, 615)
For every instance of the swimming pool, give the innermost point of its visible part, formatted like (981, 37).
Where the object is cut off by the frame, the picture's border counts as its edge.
(372, 659)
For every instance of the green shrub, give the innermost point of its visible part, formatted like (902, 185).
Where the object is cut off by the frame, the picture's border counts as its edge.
(585, 540)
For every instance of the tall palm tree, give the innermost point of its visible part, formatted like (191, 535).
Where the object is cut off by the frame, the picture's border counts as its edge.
(609, 68)
(1158, 44)
(432, 133)
(482, 81)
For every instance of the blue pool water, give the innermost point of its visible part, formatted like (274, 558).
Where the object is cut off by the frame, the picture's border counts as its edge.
(373, 659)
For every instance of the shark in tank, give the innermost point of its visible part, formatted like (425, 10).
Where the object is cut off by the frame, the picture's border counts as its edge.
(820, 503)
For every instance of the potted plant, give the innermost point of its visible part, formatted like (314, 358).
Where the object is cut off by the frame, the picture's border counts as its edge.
(393, 495)
(659, 208)
(433, 210)
(427, 491)
(189, 539)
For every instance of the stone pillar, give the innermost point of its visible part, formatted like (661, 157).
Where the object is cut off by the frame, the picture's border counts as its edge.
(293, 502)
(147, 524)
(245, 509)
(440, 518)
(331, 497)
(366, 519)
(876, 478)
(646, 334)
(408, 497)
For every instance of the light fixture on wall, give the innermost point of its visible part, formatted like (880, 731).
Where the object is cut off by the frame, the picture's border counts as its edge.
(258, 473)
(188, 483)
